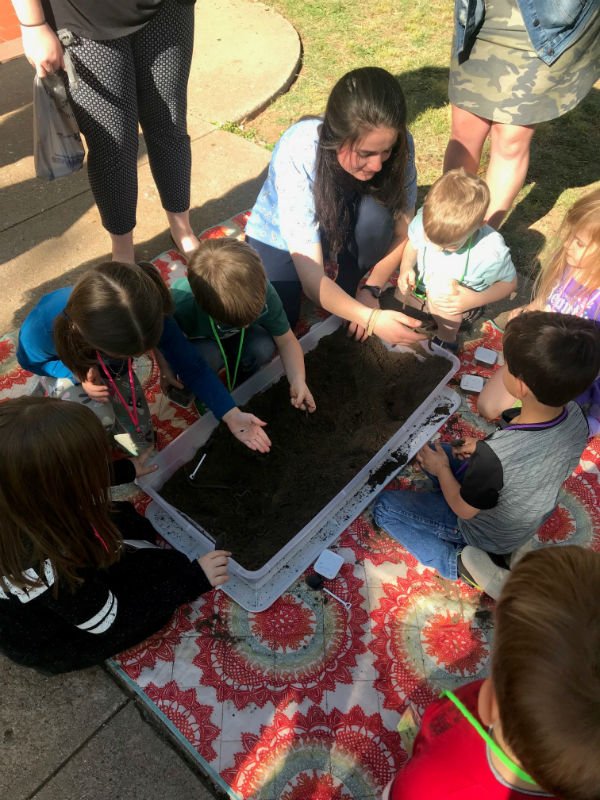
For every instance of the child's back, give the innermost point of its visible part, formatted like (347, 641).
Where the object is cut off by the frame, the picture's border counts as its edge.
(515, 476)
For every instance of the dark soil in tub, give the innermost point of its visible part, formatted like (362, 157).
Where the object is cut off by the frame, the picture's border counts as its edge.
(253, 503)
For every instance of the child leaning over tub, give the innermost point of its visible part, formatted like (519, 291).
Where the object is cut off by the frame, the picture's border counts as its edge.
(234, 317)
(453, 263)
(533, 728)
(71, 592)
(495, 501)
(89, 334)
(569, 283)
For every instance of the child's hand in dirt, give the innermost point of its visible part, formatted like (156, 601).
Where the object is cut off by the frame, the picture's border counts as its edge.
(214, 566)
(432, 459)
(94, 386)
(301, 396)
(142, 467)
(407, 281)
(248, 429)
(466, 449)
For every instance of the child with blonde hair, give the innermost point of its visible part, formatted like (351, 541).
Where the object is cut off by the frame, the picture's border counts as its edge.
(569, 283)
(453, 262)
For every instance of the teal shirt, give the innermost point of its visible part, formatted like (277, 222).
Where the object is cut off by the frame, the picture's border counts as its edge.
(195, 322)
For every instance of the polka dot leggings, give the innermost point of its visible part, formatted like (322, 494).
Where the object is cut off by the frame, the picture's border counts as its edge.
(142, 77)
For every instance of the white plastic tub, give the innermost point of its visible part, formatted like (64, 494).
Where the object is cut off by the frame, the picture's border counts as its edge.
(327, 525)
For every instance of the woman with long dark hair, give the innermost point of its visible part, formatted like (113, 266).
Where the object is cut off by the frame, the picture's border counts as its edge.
(341, 188)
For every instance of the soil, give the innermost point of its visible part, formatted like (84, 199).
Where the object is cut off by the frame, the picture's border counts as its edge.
(253, 504)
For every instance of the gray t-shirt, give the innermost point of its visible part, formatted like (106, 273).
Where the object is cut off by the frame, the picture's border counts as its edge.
(515, 476)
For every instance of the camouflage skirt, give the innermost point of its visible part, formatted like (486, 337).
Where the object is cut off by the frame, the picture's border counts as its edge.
(504, 80)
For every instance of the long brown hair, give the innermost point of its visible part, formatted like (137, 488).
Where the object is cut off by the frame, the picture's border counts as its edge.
(546, 669)
(54, 491)
(116, 308)
(584, 213)
(362, 100)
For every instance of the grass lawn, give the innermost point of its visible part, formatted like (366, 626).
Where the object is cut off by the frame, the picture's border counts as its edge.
(411, 38)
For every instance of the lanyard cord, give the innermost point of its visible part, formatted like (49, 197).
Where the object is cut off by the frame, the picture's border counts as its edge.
(133, 414)
(230, 383)
(466, 267)
(494, 746)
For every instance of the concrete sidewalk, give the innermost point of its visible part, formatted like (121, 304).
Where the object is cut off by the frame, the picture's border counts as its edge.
(80, 736)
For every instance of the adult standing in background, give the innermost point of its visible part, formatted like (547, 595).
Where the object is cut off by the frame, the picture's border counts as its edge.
(516, 63)
(341, 188)
(132, 59)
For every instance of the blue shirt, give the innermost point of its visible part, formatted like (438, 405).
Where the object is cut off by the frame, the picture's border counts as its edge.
(36, 352)
(285, 207)
(488, 261)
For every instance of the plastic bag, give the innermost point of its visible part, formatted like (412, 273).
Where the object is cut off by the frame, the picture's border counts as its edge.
(57, 147)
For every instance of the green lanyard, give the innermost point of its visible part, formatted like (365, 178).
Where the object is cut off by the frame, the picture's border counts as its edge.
(494, 747)
(230, 383)
(421, 292)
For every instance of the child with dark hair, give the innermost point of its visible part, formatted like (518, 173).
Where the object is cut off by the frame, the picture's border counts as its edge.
(533, 728)
(89, 334)
(492, 495)
(234, 317)
(71, 592)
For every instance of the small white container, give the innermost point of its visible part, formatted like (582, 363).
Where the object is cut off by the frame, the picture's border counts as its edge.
(486, 356)
(471, 383)
(328, 564)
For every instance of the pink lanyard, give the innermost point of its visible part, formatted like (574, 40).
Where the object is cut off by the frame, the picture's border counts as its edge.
(100, 539)
(133, 414)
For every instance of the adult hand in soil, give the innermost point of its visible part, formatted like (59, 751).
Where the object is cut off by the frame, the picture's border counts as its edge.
(301, 396)
(432, 459)
(94, 386)
(248, 429)
(355, 330)
(142, 467)
(466, 449)
(214, 565)
(397, 328)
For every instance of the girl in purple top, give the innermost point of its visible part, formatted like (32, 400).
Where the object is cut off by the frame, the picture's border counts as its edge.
(568, 284)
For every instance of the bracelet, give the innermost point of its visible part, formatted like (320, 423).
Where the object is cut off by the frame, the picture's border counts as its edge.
(32, 24)
(372, 320)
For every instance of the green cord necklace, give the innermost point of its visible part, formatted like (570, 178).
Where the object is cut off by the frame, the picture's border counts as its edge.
(494, 746)
(230, 383)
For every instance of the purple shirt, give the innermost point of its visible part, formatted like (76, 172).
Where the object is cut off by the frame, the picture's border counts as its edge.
(569, 297)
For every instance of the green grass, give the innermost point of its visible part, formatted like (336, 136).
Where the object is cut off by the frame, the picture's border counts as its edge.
(412, 39)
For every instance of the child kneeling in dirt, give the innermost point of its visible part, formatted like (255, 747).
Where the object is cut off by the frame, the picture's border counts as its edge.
(234, 317)
(454, 263)
(533, 728)
(494, 494)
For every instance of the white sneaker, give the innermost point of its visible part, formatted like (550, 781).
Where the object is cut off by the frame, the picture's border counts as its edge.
(484, 572)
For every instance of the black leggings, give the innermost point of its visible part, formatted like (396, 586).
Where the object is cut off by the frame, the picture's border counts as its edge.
(142, 77)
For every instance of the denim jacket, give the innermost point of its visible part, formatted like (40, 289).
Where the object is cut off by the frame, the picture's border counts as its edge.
(552, 25)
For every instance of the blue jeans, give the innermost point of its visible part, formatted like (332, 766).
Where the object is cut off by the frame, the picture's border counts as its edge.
(259, 349)
(424, 523)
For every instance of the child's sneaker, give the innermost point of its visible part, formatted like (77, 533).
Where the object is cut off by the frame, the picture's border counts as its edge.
(481, 571)
(452, 347)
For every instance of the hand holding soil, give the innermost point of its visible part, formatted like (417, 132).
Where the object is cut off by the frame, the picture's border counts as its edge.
(396, 328)
(248, 429)
(301, 396)
(214, 565)
(432, 459)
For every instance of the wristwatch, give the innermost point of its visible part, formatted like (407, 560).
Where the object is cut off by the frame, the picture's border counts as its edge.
(373, 290)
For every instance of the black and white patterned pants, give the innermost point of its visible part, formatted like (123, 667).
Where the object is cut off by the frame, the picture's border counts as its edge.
(142, 77)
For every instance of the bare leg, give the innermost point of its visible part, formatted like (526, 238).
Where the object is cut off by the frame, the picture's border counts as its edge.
(181, 231)
(122, 247)
(448, 324)
(467, 136)
(494, 398)
(507, 169)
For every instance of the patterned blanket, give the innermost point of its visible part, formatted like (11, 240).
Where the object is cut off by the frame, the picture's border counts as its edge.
(303, 701)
